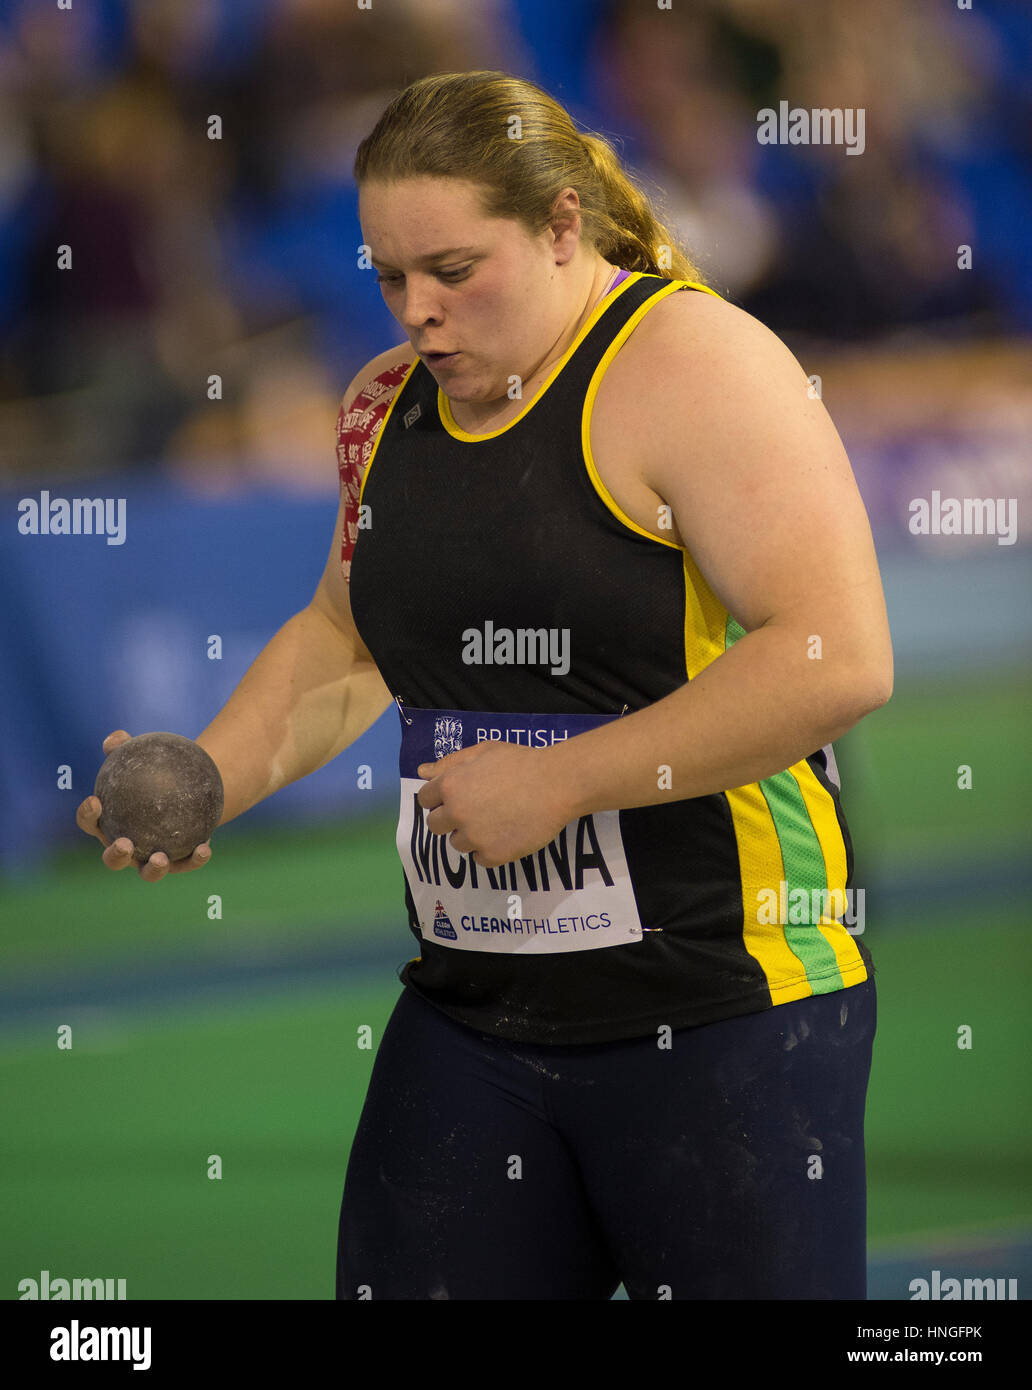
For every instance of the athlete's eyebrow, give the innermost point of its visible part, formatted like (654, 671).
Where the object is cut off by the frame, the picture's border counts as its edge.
(429, 260)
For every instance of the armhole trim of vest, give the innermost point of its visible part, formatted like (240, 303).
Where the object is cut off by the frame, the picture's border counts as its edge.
(589, 405)
(394, 400)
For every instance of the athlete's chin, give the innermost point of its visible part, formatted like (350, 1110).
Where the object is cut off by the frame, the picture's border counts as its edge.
(461, 386)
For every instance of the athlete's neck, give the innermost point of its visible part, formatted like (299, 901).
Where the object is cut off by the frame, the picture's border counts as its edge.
(479, 417)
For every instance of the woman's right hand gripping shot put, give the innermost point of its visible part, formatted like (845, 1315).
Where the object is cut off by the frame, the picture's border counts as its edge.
(120, 852)
(309, 694)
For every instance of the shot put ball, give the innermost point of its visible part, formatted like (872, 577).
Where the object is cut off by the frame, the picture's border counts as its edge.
(161, 791)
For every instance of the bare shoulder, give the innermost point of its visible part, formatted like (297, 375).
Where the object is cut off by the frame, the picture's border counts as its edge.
(712, 337)
(710, 377)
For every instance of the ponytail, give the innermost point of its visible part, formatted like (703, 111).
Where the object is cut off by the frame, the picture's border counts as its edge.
(627, 230)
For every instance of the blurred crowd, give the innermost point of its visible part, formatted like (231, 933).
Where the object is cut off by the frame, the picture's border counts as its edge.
(235, 257)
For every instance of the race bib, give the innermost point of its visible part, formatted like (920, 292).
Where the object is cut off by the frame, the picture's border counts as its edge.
(573, 894)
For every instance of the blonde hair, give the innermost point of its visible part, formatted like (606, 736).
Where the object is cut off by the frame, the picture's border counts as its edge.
(522, 148)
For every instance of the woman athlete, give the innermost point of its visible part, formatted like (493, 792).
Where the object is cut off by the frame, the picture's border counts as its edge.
(602, 548)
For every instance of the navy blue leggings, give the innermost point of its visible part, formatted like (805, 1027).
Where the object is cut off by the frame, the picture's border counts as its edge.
(729, 1166)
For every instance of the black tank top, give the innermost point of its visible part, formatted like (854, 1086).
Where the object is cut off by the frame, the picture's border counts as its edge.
(475, 555)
